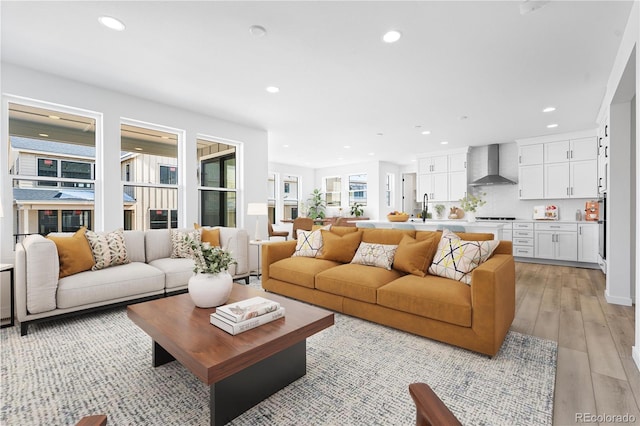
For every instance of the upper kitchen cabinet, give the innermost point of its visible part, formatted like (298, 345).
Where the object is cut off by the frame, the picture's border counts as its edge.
(529, 155)
(603, 155)
(443, 175)
(568, 168)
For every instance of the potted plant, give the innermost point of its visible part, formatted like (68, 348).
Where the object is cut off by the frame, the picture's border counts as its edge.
(470, 203)
(357, 210)
(211, 285)
(439, 210)
(316, 205)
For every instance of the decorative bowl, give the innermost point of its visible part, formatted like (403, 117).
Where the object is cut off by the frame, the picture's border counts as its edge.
(398, 217)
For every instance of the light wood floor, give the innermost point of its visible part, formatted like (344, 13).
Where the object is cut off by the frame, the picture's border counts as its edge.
(596, 373)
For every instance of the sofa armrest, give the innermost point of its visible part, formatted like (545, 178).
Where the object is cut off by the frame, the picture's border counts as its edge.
(36, 275)
(505, 247)
(493, 297)
(273, 252)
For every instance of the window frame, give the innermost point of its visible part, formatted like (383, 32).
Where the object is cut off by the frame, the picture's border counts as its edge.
(352, 198)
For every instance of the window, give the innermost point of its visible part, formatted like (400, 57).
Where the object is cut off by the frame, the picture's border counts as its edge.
(389, 189)
(149, 164)
(159, 219)
(358, 189)
(333, 188)
(290, 196)
(218, 183)
(52, 165)
(168, 175)
(271, 197)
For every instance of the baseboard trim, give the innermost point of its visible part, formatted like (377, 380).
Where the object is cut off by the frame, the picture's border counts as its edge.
(616, 300)
(635, 354)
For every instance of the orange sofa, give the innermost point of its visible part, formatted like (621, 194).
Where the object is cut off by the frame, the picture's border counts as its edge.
(476, 316)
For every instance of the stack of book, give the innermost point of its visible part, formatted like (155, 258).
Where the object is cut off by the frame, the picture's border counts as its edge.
(246, 314)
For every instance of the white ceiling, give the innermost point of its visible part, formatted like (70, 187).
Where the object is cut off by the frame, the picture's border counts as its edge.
(339, 83)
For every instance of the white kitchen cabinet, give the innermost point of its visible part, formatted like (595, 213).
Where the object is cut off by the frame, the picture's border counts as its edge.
(531, 182)
(457, 162)
(588, 242)
(522, 237)
(556, 241)
(457, 185)
(603, 156)
(583, 179)
(443, 175)
(583, 149)
(557, 180)
(435, 164)
(529, 155)
(556, 152)
(435, 185)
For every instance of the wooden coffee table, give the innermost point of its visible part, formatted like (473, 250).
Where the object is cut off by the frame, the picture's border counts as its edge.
(240, 370)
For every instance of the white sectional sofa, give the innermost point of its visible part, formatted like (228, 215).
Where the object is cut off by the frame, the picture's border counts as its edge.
(152, 273)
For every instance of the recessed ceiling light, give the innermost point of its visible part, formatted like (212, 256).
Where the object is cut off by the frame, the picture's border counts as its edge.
(372, 153)
(44, 135)
(285, 146)
(257, 31)
(552, 126)
(347, 146)
(444, 142)
(426, 132)
(549, 109)
(54, 117)
(111, 23)
(340, 158)
(391, 36)
(137, 148)
(272, 89)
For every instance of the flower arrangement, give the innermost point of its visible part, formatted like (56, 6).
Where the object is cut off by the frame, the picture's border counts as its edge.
(357, 210)
(471, 202)
(210, 259)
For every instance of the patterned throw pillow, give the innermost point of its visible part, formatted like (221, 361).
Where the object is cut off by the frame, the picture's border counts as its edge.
(379, 255)
(180, 247)
(309, 243)
(108, 249)
(457, 258)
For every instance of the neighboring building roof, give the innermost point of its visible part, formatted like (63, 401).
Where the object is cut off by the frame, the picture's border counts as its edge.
(55, 195)
(55, 147)
(61, 148)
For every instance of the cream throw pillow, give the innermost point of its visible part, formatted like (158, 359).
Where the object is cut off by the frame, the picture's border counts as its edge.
(379, 255)
(180, 248)
(309, 243)
(457, 258)
(108, 249)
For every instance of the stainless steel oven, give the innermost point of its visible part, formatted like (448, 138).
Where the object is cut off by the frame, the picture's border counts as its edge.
(602, 227)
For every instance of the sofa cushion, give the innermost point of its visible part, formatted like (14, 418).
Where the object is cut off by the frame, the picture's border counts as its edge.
(432, 297)
(157, 244)
(177, 271)
(457, 258)
(355, 281)
(114, 283)
(340, 248)
(385, 236)
(134, 240)
(414, 257)
(74, 253)
(299, 270)
(108, 248)
(378, 255)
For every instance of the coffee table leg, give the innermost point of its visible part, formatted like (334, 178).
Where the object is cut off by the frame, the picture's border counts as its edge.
(160, 355)
(234, 395)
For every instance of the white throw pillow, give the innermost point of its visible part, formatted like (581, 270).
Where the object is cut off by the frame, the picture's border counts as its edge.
(309, 243)
(456, 258)
(379, 255)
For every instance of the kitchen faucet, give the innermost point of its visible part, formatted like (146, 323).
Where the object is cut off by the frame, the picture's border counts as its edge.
(425, 206)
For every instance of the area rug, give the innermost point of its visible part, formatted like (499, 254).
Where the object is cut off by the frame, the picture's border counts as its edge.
(358, 373)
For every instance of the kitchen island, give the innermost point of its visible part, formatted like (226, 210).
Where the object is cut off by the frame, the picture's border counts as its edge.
(437, 224)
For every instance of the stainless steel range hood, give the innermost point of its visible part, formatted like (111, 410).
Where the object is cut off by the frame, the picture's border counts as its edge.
(493, 169)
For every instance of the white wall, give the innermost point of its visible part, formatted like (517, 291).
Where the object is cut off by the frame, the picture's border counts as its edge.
(18, 82)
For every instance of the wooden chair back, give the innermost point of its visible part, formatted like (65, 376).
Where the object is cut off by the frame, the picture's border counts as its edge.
(430, 410)
(305, 223)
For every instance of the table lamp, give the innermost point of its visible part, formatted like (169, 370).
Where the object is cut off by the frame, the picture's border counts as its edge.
(257, 209)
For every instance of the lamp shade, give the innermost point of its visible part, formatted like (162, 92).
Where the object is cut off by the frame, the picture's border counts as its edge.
(257, 209)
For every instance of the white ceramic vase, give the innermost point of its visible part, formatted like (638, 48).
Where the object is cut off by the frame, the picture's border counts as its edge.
(210, 290)
(470, 216)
